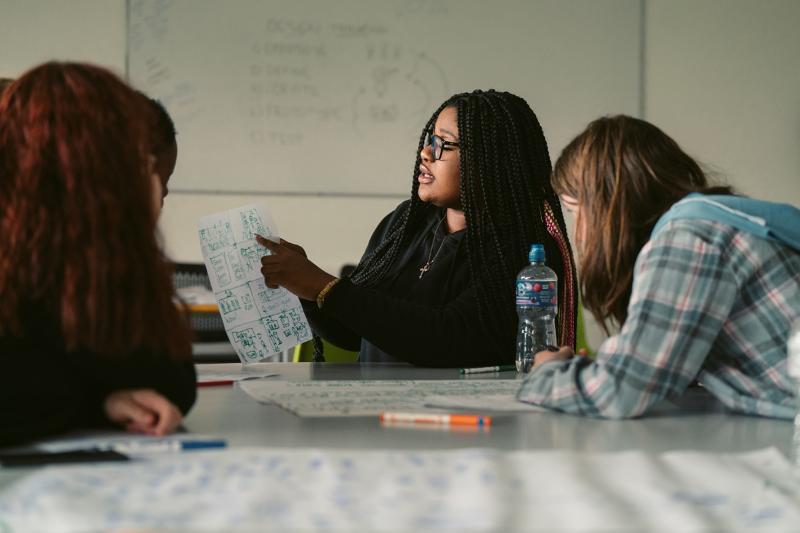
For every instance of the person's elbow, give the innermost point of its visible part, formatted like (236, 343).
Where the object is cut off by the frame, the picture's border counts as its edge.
(182, 391)
(619, 407)
(187, 400)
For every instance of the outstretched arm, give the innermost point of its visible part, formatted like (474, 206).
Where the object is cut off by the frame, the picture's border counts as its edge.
(682, 294)
(288, 266)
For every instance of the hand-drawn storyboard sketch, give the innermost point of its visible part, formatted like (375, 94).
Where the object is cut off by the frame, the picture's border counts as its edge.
(260, 322)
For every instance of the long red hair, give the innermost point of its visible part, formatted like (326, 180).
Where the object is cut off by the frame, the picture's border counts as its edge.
(78, 240)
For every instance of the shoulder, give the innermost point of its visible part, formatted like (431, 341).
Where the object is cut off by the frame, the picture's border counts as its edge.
(681, 249)
(705, 247)
(731, 243)
(381, 232)
(682, 232)
(687, 239)
(389, 220)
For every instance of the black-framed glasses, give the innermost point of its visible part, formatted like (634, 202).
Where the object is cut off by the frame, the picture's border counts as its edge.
(438, 145)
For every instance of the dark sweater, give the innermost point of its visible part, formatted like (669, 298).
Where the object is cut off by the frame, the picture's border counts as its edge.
(45, 391)
(432, 321)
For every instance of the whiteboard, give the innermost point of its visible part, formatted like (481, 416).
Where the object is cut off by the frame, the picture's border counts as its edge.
(329, 97)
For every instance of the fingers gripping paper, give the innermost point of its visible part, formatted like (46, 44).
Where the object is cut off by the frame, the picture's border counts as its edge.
(260, 322)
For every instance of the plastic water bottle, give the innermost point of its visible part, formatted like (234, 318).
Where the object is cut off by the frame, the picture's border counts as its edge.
(793, 369)
(537, 304)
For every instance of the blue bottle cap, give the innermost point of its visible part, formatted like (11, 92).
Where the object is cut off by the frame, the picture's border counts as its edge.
(536, 255)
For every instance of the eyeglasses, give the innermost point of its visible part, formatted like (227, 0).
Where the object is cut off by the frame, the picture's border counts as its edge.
(438, 145)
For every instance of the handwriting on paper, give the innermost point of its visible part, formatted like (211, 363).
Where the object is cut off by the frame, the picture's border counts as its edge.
(260, 321)
(364, 398)
(266, 489)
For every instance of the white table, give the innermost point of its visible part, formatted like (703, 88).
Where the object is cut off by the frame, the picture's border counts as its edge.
(669, 492)
(695, 422)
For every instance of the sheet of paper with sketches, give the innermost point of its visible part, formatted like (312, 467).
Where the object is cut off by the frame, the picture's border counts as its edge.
(209, 377)
(231, 372)
(453, 490)
(260, 322)
(365, 398)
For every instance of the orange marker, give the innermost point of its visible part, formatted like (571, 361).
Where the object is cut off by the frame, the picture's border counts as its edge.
(437, 418)
(472, 430)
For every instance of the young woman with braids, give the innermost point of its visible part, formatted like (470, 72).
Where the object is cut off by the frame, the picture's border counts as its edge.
(436, 284)
(89, 333)
(704, 284)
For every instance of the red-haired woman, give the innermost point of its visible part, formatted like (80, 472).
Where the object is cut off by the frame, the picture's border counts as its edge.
(89, 334)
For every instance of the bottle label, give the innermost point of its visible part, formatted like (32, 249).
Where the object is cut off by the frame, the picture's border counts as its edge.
(537, 293)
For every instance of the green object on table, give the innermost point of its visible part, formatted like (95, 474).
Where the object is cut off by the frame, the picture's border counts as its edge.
(304, 353)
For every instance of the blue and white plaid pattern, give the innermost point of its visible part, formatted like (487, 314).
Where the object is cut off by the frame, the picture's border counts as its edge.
(709, 302)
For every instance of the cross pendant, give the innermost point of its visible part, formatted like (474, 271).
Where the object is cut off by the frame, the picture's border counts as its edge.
(424, 268)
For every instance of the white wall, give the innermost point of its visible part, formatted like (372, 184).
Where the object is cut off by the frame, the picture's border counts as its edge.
(721, 76)
(333, 230)
(33, 31)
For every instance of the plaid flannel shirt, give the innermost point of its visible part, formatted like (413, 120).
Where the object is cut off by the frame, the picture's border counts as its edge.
(709, 302)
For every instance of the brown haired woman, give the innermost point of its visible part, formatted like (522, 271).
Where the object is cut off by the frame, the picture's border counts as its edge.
(89, 333)
(705, 285)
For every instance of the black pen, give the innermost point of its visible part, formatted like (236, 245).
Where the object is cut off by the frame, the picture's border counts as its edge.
(47, 458)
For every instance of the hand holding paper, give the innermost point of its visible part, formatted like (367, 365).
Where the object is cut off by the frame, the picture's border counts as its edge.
(287, 266)
(260, 321)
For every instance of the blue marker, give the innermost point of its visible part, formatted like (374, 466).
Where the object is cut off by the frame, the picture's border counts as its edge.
(202, 444)
(163, 445)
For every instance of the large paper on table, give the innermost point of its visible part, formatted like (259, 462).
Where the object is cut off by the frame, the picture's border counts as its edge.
(325, 398)
(260, 322)
(455, 490)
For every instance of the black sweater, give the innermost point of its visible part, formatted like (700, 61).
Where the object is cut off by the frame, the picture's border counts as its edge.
(44, 390)
(432, 321)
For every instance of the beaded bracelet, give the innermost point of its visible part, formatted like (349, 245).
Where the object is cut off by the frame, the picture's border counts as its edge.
(324, 292)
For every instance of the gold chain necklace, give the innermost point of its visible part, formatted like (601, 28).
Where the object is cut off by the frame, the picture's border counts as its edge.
(427, 266)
